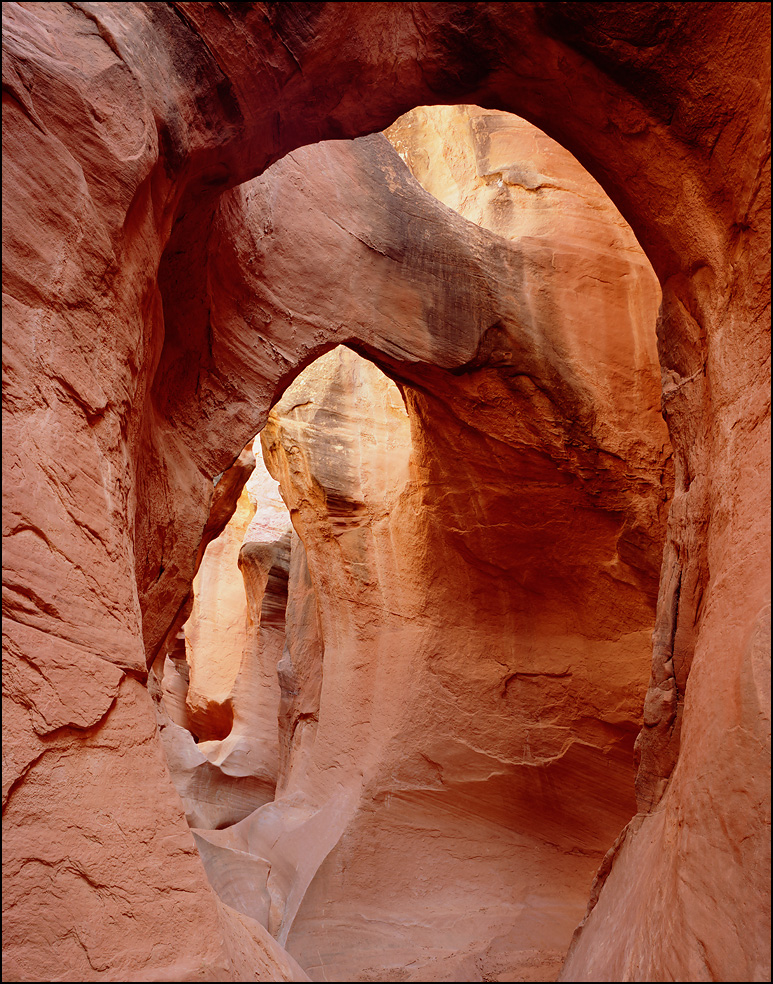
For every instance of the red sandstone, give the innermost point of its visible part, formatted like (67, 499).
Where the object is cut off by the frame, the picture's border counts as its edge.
(139, 359)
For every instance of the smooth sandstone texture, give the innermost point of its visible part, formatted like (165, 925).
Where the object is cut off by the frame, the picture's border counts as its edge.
(403, 690)
(215, 632)
(481, 772)
(124, 394)
(446, 688)
(172, 655)
(259, 571)
(219, 692)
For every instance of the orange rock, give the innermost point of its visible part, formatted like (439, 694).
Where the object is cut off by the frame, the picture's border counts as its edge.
(423, 716)
(253, 581)
(219, 692)
(131, 378)
(409, 714)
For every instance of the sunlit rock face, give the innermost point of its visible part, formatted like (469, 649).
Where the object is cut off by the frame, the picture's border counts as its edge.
(219, 692)
(215, 633)
(129, 385)
(235, 634)
(171, 672)
(468, 673)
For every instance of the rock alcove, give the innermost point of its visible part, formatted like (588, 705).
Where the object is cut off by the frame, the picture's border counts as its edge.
(416, 705)
(155, 308)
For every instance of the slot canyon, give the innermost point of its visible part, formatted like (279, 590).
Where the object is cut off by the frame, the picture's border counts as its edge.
(386, 491)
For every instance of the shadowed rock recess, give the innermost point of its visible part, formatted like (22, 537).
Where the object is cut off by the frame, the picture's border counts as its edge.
(461, 670)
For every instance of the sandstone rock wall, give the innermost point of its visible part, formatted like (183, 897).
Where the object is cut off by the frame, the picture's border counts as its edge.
(215, 632)
(459, 729)
(219, 691)
(123, 123)
(479, 637)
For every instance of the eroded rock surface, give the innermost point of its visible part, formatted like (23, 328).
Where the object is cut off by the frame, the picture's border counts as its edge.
(455, 723)
(220, 690)
(255, 577)
(215, 632)
(122, 124)
(475, 657)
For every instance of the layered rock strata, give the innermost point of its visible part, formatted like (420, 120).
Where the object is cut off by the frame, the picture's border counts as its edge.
(122, 124)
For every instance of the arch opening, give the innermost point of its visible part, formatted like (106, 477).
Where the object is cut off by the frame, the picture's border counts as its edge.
(120, 120)
(472, 578)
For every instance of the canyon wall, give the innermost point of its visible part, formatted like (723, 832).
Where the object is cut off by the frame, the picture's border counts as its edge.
(470, 675)
(131, 380)
(470, 759)
(215, 680)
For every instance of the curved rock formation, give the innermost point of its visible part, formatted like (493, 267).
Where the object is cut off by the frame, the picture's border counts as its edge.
(123, 123)
(467, 747)
(219, 692)
(513, 565)
(215, 632)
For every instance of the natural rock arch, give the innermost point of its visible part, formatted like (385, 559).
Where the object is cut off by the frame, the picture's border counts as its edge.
(123, 124)
(495, 557)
